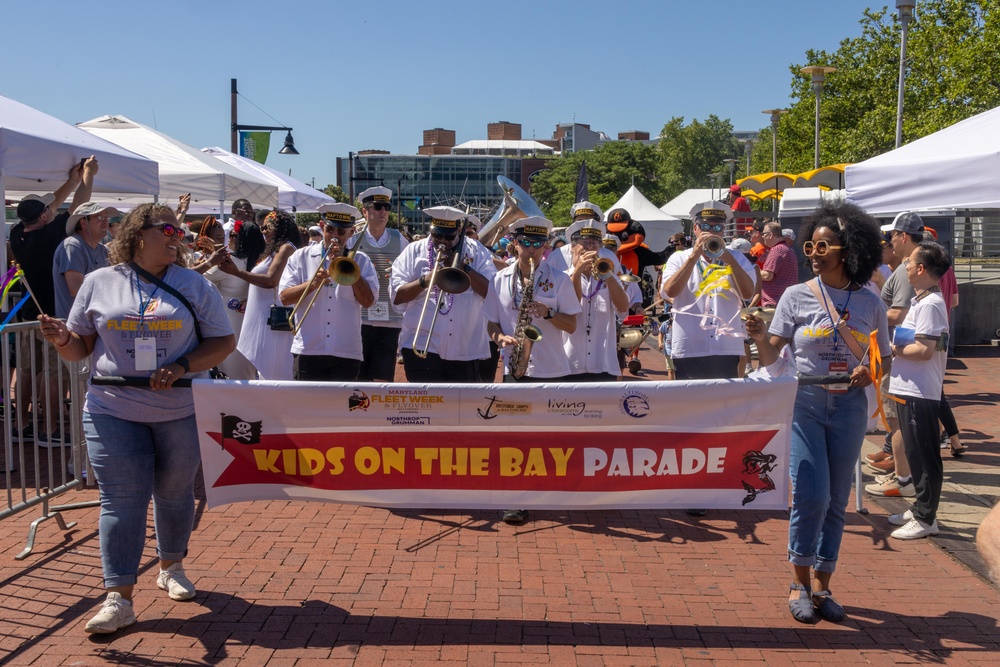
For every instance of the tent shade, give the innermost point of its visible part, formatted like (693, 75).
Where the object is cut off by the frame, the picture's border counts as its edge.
(659, 226)
(681, 205)
(183, 168)
(955, 167)
(37, 151)
(293, 195)
(830, 177)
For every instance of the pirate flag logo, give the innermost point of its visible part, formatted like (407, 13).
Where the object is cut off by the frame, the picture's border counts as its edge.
(241, 430)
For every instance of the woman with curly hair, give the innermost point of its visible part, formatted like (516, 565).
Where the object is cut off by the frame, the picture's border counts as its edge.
(269, 351)
(143, 442)
(826, 323)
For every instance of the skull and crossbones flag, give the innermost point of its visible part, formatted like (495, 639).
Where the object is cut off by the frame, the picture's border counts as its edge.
(241, 430)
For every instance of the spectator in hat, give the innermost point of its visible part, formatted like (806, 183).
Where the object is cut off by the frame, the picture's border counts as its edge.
(380, 322)
(739, 204)
(315, 235)
(81, 252)
(450, 352)
(327, 342)
(33, 244)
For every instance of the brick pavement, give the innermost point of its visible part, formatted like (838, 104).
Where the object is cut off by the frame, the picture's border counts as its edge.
(287, 584)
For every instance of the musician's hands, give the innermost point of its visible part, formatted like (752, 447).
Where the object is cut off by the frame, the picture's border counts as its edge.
(755, 327)
(503, 340)
(321, 278)
(861, 376)
(537, 310)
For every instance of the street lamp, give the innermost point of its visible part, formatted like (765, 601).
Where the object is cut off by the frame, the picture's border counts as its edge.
(775, 118)
(905, 8)
(818, 73)
(715, 183)
(748, 148)
(287, 149)
(732, 162)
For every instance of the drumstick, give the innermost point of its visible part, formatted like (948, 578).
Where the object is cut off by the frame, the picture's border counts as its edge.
(24, 280)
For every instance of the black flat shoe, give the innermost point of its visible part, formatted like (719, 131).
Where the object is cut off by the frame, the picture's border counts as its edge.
(828, 608)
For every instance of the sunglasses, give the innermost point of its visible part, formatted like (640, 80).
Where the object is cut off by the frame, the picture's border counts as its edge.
(819, 248)
(339, 231)
(530, 244)
(166, 228)
(711, 227)
(446, 237)
(381, 206)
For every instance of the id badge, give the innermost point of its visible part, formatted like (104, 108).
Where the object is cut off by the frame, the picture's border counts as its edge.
(379, 312)
(838, 368)
(145, 354)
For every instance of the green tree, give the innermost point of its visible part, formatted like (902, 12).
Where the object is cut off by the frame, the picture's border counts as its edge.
(689, 153)
(953, 72)
(612, 169)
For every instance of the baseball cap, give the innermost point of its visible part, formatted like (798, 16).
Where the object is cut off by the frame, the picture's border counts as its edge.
(906, 222)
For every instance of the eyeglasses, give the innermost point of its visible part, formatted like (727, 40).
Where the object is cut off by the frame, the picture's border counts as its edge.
(711, 227)
(530, 244)
(819, 248)
(380, 206)
(446, 237)
(339, 231)
(166, 228)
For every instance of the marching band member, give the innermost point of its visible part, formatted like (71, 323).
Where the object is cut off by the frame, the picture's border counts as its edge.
(327, 343)
(448, 350)
(380, 322)
(592, 348)
(553, 305)
(562, 257)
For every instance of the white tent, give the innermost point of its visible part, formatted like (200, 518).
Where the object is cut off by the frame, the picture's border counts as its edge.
(956, 167)
(293, 195)
(37, 152)
(658, 225)
(183, 168)
(681, 205)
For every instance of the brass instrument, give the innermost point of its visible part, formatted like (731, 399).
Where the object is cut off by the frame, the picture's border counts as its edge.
(344, 270)
(452, 279)
(526, 333)
(603, 268)
(517, 204)
(296, 320)
(629, 277)
(714, 247)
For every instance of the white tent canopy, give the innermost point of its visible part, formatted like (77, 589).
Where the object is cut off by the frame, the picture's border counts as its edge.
(659, 226)
(956, 167)
(37, 152)
(183, 169)
(293, 195)
(681, 205)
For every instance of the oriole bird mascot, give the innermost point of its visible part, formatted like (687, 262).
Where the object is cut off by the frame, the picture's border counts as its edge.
(633, 254)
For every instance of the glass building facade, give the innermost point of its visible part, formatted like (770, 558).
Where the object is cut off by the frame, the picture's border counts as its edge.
(423, 181)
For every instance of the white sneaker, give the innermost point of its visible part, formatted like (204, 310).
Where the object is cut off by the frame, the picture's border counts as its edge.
(901, 519)
(175, 582)
(116, 613)
(915, 529)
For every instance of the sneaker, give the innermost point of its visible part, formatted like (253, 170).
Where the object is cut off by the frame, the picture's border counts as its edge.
(885, 477)
(884, 466)
(515, 517)
(175, 582)
(901, 519)
(878, 456)
(116, 613)
(915, 529)
(27, 434)
(945, 440)
(891, 488)
(53, 439)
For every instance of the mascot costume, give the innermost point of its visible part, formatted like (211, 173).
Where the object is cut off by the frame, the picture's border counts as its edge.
(633, 254)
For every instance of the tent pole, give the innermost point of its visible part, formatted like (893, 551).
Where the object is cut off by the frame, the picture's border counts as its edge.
(3, 234)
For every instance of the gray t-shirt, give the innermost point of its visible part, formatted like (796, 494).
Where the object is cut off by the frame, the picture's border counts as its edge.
(73, 254)
(108, 305)
(807, 324)
(897, 292)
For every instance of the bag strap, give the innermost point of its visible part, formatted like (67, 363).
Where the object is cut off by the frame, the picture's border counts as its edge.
(839, 324)
(167, 288)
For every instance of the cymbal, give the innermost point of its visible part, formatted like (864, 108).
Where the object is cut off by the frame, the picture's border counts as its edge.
(765, 314)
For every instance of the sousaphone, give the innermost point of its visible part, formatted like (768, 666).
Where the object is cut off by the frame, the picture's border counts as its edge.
(517, 204)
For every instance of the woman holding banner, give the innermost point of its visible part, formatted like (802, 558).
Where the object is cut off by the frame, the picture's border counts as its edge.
(144, 315)
(822, 322)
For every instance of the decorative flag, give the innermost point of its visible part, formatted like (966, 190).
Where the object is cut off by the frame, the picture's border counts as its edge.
(582, 190)
(255, 145)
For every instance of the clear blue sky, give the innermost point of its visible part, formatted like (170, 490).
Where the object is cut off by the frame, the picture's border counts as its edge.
(349, 76)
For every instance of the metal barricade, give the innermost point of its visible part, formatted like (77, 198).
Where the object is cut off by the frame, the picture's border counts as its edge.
(43, 444)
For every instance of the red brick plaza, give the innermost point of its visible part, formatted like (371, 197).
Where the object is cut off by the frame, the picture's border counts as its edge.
(286, 584)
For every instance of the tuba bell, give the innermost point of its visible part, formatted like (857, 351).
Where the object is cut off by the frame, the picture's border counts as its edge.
(517, 204)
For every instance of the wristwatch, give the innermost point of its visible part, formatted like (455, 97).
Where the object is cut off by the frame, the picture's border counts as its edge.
(183, 363)
(549, 315)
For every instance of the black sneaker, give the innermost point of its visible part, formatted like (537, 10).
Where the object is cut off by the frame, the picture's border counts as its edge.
(27, 434)
(515, 517)
(53, 439)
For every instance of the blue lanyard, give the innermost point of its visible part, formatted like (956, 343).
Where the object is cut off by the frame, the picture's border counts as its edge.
(143, 306)
(822, 290)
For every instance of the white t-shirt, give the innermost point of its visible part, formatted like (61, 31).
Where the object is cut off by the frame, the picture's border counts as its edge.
(708, 325)
(333, 326)
(552, 288)
(927, 317)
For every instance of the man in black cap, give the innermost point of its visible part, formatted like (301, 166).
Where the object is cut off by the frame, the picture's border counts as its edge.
(33, 243)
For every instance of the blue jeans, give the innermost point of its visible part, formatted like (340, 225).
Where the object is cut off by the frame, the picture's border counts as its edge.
(134, 462)
(827, 432)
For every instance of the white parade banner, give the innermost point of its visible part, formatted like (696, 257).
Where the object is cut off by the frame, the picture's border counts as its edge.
(717, 444)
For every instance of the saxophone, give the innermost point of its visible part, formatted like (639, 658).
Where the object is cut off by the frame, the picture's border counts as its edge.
(525, 332)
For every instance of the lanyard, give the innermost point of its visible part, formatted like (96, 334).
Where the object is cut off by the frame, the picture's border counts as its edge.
(143, 306)
(826, 305)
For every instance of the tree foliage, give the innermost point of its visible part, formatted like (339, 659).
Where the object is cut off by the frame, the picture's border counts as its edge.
(688, 154)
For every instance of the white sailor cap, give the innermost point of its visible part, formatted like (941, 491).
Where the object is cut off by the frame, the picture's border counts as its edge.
(534, 225)
(474, 222)
(446, 217)
(586, 208)
(339, 214)
(711, 211)
(587, 227)
(378, 193)
(611, 241)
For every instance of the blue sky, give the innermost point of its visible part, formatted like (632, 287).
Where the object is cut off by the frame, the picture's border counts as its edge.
(349, 76)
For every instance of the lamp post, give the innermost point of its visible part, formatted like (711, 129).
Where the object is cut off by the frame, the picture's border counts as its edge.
(818, 73)
(905, 8)
(732, 162)
(775, 119)
(748, 148)
(235, 127)
(715, 183)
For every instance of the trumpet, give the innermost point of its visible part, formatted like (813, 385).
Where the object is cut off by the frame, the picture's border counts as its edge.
(714, 247)
(452, 280)
(603, 268)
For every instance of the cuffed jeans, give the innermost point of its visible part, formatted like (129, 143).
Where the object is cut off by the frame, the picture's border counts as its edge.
(827, 431)
(134, 462)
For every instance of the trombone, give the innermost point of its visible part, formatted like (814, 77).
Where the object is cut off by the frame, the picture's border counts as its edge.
(343, 270)
(453, 280)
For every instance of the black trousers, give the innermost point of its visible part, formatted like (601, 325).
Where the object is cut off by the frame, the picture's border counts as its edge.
(918, 423)
(324, 368)
(436, 369)
(718, 367)
(378, 345)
